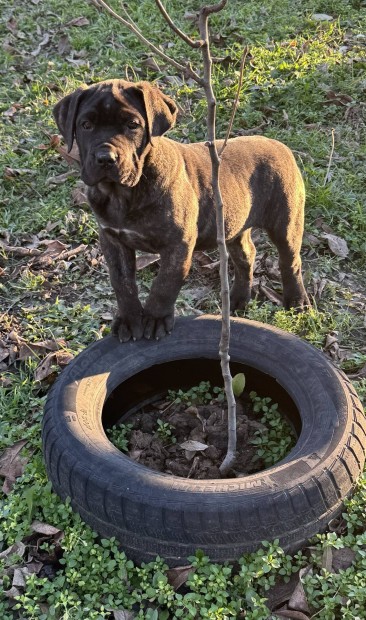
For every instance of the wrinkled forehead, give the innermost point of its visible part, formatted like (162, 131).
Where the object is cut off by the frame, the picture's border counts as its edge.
(112, 100)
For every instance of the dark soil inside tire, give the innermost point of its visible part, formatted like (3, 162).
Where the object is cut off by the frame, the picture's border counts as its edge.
(191, 441)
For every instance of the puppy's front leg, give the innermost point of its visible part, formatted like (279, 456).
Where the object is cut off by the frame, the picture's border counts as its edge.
(159, 309)
(121, 262)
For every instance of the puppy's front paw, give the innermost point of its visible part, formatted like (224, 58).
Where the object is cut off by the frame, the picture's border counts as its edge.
(239, 298)
(157, 327)
(127, 328)
(297, 300)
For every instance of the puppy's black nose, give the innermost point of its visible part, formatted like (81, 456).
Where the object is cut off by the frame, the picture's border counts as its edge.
(105, 157)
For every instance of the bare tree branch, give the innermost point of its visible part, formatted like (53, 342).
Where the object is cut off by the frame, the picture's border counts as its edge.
(213, 8)
(183, 68)
(236, 102)
(129, 17)
(220, 225)
(175, 28)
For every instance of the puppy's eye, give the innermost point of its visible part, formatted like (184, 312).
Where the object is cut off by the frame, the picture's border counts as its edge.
(87, 125)
(132, 124)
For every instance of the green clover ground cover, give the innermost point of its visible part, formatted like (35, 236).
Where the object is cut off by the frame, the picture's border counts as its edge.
(304, 83)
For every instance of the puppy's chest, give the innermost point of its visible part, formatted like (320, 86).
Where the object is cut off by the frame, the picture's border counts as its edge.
(130, 237)
(132, 231)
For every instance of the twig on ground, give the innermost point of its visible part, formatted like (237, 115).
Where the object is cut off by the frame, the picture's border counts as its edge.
(327, 175)
(20, 251)
(66, 254)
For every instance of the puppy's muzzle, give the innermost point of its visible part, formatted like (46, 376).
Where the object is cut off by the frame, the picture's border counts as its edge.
(105, 157)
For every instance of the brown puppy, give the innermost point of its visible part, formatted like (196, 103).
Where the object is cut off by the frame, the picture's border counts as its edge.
(152, 194)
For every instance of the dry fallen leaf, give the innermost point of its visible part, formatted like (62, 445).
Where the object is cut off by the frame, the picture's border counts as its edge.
(41, 44)
(337, 245)
(55, 140)
(289, 613)
(18, 578)
(60, 179)
(64, 45)
(37, 349)
(179, 575)
(12, 25)
(12, 173)
(72, 158)
(13, 336)
(342, 558)
(339, 99)
(298, 600)
(78, 21)
(21, 572)
(322, 17)
(123, 614)
(151, 63)
(332, 345)
(44, 528)
(17, 548)
(271, 294)
(4, 353)
(79, 195)
(107, 316)
(54, 247)
(12, 593)
(63, 358)
(34, 567)
(312, 240)
(10, 113)
(193, 446)
(27, 352)
(281, 592)
(12, 465)
(44, 370)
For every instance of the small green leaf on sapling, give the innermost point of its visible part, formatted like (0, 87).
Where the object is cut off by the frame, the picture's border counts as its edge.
(238, 384)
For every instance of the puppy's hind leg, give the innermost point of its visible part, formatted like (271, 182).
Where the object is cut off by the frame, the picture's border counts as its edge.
(242, 253)
(289, 245)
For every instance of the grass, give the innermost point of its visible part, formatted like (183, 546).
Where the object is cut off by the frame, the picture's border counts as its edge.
(304, 82)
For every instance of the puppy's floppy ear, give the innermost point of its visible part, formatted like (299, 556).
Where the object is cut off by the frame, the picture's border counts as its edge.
(161, 111)
(65, 112)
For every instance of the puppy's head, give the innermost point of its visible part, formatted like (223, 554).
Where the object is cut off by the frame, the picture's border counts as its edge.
(113, 122)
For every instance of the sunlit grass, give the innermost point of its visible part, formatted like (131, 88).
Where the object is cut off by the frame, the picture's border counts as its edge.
(295, 61)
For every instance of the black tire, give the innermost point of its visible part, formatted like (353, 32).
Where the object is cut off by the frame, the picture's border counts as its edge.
(156, 514)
